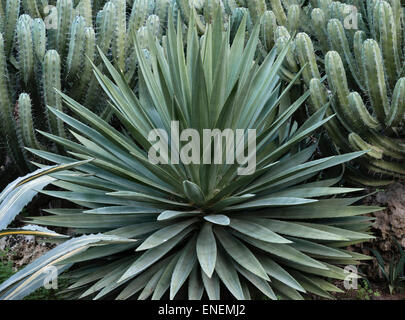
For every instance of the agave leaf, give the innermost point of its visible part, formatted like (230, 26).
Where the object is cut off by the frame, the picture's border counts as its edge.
(136, 230)
(257, 231)
(231, 201)
(314, 192)
(240, 253)
(350, 235)
(207, 249)
(332, 272)
(32, 276)
(219, 219)
(195, 285)
(275, 271)
(165, 279)
(271, 202)
(32, 230)
(21, 191)
(324, 285)
(311, 286)
(171, 214)
(88, 197)
(211, 285)
(122, 210)
(193, 192)
(92, 220)
(227, 273)
(286, 290)
(284, 251)
(151, 256)
(297, 230)
(151, 285)
(139, 282)
(183, 267)
(136, 196)
(92, 274)
(165, 234)
(317, 249)
(108, 281)
(63, 211)
(259, 283)
(99, 252)
(316, 211)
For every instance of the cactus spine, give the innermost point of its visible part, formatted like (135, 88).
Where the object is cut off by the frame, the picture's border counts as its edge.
(9, 128)
(65, 16)
(25, 48)
(76, 47)
(120, 34)
(26, 122)
(12, 12)
(51, 81)
(256, 9)
(364, 76)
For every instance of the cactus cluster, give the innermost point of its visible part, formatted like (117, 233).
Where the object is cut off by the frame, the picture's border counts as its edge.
(365, 77)
(358, 46)
(47, 45)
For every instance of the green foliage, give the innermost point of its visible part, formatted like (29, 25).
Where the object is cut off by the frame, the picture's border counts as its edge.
(202, 231)
(49, 294)
(6, 266)
(364, 292)
(394, 271)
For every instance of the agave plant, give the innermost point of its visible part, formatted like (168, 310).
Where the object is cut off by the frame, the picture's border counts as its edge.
(201, 231)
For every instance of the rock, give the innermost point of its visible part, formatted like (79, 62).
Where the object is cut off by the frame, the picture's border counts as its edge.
(389, 226)
(23, 249)
(390, 222)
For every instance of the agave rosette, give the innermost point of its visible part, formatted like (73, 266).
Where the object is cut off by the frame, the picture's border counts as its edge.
(202, 231)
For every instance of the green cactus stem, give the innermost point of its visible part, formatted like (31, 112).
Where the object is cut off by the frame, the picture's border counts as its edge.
(9, 128)
(52, 81)
(25, 48)
(397, 109)
(76, 46)
(256, 9)
(373, 70)
(11, 14)
(26, 123)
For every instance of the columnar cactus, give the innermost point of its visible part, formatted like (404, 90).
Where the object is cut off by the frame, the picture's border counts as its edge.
(9, 132)
(366, 80)
(26, 122)
(52, 80)
(360, 49)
